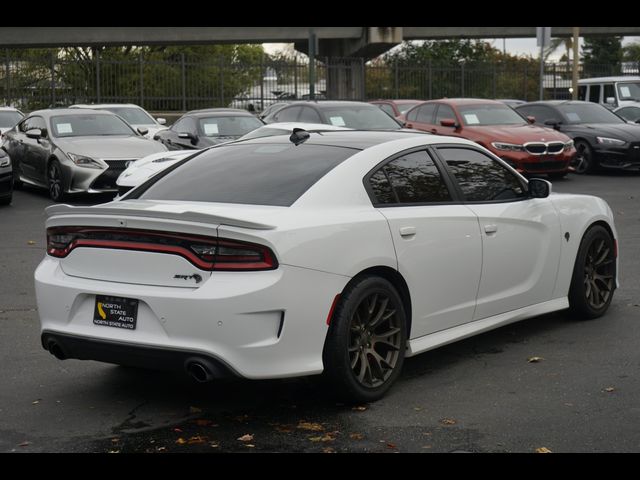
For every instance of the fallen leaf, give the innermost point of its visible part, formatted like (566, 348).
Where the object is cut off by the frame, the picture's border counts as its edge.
(314, 427)
(391, 445)
(35, 402)
(31, 242)
(115, 440)
(197, 440)
(543, 450)
(195, 410)
(448, 421)
(359, 408)
(417, 409)
(161, 449)
(328, 450)
(114, 451)
(249, 445)
(426, 446)
(24, 444)
(327, 437)
(609, 389)
(356, 436)
(534, 359)
(214, 444)
(181, 441)
(178, 430)
(246, 438)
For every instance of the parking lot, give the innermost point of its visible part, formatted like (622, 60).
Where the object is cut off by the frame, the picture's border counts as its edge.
(483, 394)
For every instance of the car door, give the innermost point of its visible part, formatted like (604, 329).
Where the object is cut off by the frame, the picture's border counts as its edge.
(14, 145)
(445, 112)
(36, 151)
(437, 240)
(521, 236)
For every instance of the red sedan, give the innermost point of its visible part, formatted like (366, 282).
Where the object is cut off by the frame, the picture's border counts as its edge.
(395, 108)
(497, 127)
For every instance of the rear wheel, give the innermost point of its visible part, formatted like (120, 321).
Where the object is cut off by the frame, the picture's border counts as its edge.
(594, 274)
(584, 161)
(366, 342)
(55, 181)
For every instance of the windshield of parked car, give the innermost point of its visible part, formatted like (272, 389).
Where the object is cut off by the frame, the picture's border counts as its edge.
(133, 115)
(629, 91)
(360, 117)
(588, 113)
(489, 114)
(247, 173)
(232, 126)
(265, 132)
(8, 119)
(89, 124)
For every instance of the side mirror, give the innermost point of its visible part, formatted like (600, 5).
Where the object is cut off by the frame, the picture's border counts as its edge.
(34, 133)
(531, 119)
(188, 135)
(161, 121)
(142, 131)
(610, 101)
(448, 122)
(539, 188)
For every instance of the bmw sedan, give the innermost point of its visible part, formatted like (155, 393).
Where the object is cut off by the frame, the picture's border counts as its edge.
(602, 138)
(338, 253)
(73, 151)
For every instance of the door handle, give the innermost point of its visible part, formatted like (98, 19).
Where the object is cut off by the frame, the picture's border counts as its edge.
(490, 229)
(407, 231)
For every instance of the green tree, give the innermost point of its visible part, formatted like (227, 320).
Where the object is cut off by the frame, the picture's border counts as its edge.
(602, 55)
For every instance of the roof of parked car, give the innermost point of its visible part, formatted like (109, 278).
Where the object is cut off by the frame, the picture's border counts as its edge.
(105, 105)
(623, 78)
(69, 111)
(221, 111)
(467, 101)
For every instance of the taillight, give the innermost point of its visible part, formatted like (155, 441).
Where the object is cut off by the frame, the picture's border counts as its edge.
(206, 253)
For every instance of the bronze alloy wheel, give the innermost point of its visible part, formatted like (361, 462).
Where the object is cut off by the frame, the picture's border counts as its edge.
(598, 274)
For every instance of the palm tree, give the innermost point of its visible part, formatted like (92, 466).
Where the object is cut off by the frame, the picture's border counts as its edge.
(557, 43)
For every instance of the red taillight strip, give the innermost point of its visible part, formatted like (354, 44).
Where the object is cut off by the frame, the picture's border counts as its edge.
(333, 307)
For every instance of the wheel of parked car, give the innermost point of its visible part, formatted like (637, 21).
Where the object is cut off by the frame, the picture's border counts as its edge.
(594, 273)
(54, 179)
(584, 161)
(365, 346)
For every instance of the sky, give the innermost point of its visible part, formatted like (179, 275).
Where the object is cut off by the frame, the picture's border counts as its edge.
(514, 46)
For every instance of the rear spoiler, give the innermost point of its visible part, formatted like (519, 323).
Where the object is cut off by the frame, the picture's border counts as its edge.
(64, 210)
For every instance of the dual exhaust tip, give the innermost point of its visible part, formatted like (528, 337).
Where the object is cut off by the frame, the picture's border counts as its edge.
(200, 369)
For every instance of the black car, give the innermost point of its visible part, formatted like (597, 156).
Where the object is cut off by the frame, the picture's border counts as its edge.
(6, 178)
(356, 115)
(601, 137)
(203, 128)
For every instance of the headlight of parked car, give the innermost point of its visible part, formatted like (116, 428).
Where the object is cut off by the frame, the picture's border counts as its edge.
(569, 145)
(83, 161)
(509, 147)
(610, 141)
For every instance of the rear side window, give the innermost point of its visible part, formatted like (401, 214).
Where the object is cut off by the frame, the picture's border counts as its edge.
(256, 174)
(412, 178)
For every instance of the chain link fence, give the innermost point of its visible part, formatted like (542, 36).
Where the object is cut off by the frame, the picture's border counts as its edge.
(30, 82)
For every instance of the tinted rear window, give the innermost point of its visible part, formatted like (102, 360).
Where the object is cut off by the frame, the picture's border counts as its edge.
(256, 174)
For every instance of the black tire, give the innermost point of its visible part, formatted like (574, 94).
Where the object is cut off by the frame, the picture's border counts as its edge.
(55, 181)
(6, 200)
(369, 309)
(584, 161)
(594, 274)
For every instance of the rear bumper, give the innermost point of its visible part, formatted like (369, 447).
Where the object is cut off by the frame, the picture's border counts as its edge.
(65, 346)
(268, 324)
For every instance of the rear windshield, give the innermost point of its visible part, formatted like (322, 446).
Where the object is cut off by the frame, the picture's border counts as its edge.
(360, 117)
(256, 174)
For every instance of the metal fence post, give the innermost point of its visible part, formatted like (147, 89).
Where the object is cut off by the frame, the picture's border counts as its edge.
(430, 80)
(222, 80)
(396, 89)
(525, 83)
(295, 77)
(53, 80)
(494, 80)
(7, 76)
(184, 83)
(554, 82)
(462, 78)
(141, 79)
(98, 94)
(262, 83)
(363, 81)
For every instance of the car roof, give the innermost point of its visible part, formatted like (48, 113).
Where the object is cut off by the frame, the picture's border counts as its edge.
(555, 103)
(403, 100)
(467, 101)
(69, 111)
(331, 103)
(302, 125)
(219, 112)
(358, 139)
(105, 105)
(627, 78)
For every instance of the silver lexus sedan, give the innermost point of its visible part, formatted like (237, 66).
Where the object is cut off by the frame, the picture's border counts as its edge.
(73, 151)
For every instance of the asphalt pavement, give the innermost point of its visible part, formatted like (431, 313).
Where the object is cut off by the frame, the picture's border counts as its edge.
(477, 395)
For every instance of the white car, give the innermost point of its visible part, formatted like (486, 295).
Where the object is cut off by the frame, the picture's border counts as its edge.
(338, 253)
(143, 169)
(9, 117)
(134, 115)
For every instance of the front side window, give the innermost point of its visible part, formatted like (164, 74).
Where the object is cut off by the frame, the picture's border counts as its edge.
(609, 93)
(480, 177)
(412, 178)
(425, 113)
(629, 91)
(445, 112)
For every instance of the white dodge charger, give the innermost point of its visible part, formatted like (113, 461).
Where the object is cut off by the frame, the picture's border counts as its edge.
(338, 253)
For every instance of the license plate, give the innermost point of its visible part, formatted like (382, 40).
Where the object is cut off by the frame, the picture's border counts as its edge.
(116, 312)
